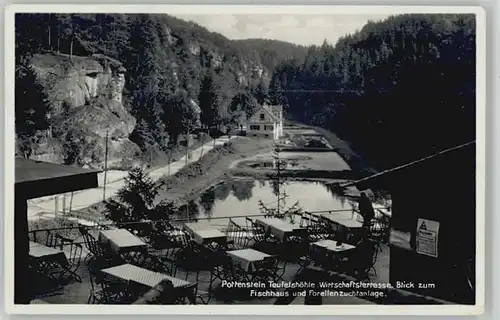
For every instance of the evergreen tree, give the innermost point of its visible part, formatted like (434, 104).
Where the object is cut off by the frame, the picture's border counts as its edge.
(136, 201)
(31, 108)
(243, 102)
(145, 138)
(280, 210)
(72, 146)
(261, 93)
(380, 86)
(208, 102)
(149, 99)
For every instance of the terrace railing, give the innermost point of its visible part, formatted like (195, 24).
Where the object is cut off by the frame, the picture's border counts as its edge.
(46, 235)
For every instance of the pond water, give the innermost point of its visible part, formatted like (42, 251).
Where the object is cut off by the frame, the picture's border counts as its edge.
(240, 197)
(285, 164)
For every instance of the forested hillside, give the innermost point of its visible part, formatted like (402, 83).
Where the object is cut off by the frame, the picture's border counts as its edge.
(397, 90)
(164, 63)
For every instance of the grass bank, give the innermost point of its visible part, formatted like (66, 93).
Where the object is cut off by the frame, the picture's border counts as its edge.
(183, 185)
(213, 166)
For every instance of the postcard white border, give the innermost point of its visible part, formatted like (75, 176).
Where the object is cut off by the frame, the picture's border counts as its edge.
(245, 309)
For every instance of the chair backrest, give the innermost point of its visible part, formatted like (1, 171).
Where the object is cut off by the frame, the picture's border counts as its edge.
(32, 235)
(269, 263)
(76, 253)
(184, 239)
(307, 219)
(45, 237)
(61, 241)
(98, 278)
(259, 233)
(304, 220)
(224, 265)
(231, 228)
(249, 223)
(50, 239)
(83, 230)
(92, 268)
(366, 250)
(238, 235)
(188, 292)
(93, 245)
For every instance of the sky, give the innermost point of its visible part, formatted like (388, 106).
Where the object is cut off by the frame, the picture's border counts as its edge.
(300, 29)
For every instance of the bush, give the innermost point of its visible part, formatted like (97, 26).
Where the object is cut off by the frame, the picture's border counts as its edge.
(136, 200)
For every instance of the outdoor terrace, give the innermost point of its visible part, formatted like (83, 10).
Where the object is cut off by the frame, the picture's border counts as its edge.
(262, 236)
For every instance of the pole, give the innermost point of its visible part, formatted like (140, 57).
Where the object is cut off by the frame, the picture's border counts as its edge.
(278, 177)
(71, 202)
(56, 202)
(64, 204)
(105, 166)
(187, 145)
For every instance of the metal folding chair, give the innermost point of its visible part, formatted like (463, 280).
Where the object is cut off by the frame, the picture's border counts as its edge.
(71, 267)
(238, 237)
(106, 290)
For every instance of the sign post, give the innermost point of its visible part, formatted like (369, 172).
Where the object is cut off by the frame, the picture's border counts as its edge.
(427, 237)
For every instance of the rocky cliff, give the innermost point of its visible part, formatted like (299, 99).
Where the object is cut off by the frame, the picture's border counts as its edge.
(97, 82)
(86, 96)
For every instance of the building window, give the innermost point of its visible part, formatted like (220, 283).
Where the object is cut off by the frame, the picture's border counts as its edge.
(269, 128)
(261, 116)
(254, 127)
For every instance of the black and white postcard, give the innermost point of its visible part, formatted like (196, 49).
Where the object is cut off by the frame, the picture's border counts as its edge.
(302, 159)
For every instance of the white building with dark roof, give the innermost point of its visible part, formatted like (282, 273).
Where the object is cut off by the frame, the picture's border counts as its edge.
(267, 121)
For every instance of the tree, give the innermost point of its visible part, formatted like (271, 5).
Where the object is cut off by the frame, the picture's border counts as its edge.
(368, 80)
(136, 201)
(208, 100)
(155, 51)
(78, 144)
(243, 102)
(32, 108)
(179, 118)
(173, 144)
(261, 93)
(276, 90)
(158, 129)
(148, 98)
(145, 138)
(278, 183)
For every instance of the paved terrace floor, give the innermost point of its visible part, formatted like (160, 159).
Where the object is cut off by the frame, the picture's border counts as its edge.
(78, 293)
(89, 197)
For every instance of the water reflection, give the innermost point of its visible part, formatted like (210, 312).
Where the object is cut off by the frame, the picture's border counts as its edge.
(242, 189)
(240, 197)
(189, 211)
(337, 193)
(207, 200)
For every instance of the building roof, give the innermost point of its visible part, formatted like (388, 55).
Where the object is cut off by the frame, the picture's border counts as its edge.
(276, 109)
(31, 170)
(38, 179)
(273, 111)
